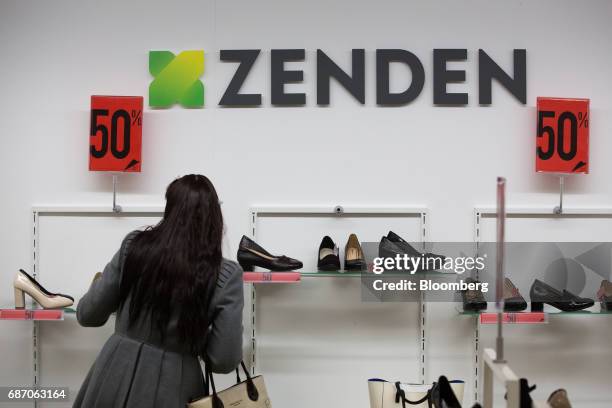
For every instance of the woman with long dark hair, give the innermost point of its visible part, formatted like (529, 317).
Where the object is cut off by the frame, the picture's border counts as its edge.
(176, 299)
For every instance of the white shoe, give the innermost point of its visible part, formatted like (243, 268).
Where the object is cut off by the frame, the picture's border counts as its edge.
(24, 283)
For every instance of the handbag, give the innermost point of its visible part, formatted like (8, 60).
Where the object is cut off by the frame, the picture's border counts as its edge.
(250, 393)
(384, 394)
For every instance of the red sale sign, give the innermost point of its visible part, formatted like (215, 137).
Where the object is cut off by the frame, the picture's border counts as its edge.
(115, 142)
(562, 139)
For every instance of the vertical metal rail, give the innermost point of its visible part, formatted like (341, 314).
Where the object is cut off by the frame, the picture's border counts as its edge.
(499, 287)
(476, 368)
(423, 314)
(35, 327)
(253, 309)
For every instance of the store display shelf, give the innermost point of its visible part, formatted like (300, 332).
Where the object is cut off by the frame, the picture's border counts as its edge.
(32, 314)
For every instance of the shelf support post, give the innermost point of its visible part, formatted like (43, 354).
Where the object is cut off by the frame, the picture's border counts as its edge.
(116, 207)
(559, 209)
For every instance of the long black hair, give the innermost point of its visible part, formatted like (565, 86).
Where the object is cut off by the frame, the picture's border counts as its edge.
(173, 267)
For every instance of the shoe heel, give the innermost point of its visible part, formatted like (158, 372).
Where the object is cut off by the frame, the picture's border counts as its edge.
(247, 267)
(19, 299)
(537, 306)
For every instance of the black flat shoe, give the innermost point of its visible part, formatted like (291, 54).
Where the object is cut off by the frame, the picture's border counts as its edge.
(403, 246)
(565, 301)
(354, 259)
(473, 300)
(250, 255)
(329, 260)
(393, 245)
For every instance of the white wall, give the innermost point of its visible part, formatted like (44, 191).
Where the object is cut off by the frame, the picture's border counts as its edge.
(56, 54)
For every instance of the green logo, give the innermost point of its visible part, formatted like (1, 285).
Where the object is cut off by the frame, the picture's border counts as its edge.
(176, 79)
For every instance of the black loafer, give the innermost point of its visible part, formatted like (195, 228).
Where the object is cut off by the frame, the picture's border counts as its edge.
(329, 260)
(250, 255)
(565, 301)
(393, 245)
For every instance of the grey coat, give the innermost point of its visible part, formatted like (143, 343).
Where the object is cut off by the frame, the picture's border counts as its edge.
(135, 367)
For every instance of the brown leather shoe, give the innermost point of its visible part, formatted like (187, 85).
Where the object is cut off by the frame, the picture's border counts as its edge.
(605, 295)
(353, 255)
(558, 399)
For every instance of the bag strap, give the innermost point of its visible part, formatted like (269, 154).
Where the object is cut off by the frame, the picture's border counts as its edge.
(400, 396)
(210, 381)
(252, 391)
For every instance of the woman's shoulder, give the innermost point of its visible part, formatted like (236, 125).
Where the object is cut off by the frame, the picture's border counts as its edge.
(229, 271)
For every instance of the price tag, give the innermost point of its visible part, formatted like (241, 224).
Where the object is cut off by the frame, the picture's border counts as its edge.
(562, 140)
(115, 142)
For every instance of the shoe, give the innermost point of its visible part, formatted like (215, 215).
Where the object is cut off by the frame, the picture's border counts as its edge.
(513, 300)
(525, 398)
(473, 300)
(541, 293)
(393, 245)
(605, 295)
(24, 283)
(442, 395)
(399, 245)
(251, 255)
(329, 260)
(353, 255)
(558, 399)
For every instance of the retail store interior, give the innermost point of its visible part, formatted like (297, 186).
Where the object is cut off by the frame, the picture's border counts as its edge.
(329, 184)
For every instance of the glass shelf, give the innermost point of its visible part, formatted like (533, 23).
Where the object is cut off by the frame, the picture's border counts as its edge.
(331, 274)
(295, 276)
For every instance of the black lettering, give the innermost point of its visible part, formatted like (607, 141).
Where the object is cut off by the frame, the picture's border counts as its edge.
(383, 60)
(280, 77)
(327, 69)
(232, 95)
(443, 76)
(489, 70)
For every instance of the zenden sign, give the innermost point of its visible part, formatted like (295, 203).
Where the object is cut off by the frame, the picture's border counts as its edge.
(176, 78)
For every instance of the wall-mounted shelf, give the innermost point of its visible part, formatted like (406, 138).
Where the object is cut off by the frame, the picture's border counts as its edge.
(256, 214)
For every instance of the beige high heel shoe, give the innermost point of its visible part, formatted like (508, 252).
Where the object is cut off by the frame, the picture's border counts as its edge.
(24, 283)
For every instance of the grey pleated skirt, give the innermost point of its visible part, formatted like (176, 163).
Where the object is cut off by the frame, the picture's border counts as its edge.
(129, 373)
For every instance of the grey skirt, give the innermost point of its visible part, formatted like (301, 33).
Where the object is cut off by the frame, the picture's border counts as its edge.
(129, 373)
